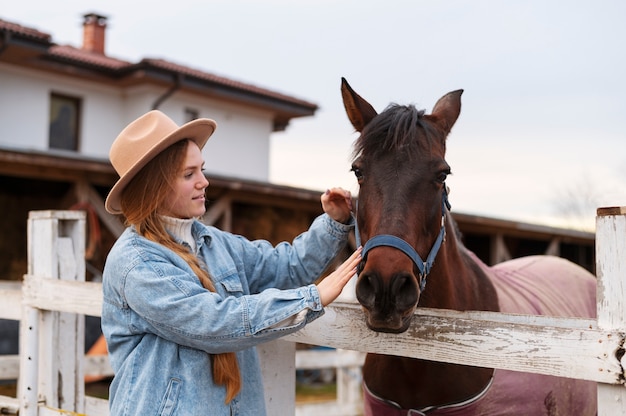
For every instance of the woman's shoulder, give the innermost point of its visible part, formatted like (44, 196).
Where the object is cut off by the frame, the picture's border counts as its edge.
(130, 244)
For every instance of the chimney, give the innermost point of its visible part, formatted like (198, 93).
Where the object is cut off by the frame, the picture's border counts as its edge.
(94, 28)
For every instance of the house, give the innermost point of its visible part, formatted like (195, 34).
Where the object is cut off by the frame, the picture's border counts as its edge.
(61, 107)
(77, 100)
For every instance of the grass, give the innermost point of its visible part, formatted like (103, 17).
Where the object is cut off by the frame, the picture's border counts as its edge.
(98, 389)
(307, 393)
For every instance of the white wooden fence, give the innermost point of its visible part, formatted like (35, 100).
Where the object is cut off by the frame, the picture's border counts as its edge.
(54, 297)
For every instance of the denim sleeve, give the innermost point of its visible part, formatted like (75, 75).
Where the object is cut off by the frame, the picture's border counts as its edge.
(300, 263)
(167, 300)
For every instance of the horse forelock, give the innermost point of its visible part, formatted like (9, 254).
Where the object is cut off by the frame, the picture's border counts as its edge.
(397, 128)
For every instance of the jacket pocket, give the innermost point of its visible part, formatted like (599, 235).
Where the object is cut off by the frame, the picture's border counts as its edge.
(232, 284)
(170, 400)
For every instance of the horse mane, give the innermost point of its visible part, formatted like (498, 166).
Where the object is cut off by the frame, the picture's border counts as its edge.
(396, 128)
(455, 227)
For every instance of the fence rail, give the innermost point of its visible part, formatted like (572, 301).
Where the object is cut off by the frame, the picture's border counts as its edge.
(577, 348)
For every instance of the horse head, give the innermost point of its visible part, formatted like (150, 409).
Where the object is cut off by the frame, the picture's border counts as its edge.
(399, 162)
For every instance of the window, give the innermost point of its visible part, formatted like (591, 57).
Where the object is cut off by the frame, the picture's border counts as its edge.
(64, 125)
(191, 114)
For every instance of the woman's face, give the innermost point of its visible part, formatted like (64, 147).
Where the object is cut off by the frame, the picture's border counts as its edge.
(187, 200)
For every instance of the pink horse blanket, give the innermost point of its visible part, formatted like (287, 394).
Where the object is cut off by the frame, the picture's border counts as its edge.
(534, 285)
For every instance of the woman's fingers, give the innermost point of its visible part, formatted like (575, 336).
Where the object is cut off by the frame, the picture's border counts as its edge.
(332, 285)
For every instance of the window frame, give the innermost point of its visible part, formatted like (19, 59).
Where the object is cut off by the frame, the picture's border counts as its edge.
(65, 135)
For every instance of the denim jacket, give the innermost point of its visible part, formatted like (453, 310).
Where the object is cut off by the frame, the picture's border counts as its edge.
(161, 324)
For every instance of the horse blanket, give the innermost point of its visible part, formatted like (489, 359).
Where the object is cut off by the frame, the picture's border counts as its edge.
(533, 285)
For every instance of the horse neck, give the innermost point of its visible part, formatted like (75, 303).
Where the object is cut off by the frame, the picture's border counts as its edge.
(456, 280)
(417, 384)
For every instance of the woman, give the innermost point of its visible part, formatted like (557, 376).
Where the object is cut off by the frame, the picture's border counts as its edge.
(185, 303)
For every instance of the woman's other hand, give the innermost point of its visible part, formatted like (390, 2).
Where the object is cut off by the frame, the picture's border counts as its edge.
(332, 285)
(337, 203)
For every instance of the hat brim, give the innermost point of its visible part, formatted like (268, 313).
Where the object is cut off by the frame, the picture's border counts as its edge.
(199, 131)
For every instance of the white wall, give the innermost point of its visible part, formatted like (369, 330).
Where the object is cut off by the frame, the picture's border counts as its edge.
(239, 147)
(23, 102)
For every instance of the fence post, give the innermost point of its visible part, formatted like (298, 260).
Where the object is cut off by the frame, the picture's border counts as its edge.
(278, 367)
(611, 294)
(349, 381)
(52, 343)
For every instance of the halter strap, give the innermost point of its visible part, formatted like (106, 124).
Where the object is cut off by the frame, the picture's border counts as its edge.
(388, 240)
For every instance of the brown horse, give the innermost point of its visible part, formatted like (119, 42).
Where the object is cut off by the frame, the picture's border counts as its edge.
(403, 217)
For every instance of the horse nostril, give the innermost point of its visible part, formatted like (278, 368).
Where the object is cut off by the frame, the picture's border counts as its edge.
(360, 267)
(366, 288)
(405, 290)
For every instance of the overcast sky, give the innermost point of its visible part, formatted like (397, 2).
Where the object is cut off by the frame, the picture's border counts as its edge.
(543, 122)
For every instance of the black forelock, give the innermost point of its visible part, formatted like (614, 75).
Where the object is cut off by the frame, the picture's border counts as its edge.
(395, 128)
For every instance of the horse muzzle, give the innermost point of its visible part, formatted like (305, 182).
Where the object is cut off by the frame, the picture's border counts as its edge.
(388, 292)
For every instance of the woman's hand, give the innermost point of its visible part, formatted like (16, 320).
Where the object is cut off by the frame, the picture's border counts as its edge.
(332, 285)
(337, 203)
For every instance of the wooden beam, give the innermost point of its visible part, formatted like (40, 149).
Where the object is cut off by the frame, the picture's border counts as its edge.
(112, 222)
(554, 249)
(611, 295)
(499, 250)
(564, 347)
(44, 166)
(217, 209)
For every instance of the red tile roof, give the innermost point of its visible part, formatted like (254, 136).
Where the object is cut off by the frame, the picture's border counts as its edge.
(24, 31)
(217, 79)
(104, 63)
(89, 58)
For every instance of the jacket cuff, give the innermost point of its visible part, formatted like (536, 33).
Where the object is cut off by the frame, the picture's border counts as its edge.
(338, 229)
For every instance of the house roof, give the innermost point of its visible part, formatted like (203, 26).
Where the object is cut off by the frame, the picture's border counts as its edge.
(23, 31)
(29, 47)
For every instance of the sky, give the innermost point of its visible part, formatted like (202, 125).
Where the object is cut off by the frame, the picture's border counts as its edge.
(542, 133)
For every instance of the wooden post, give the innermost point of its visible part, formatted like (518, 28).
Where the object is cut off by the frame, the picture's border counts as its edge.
(52, 343)
(278, 366)
(611, 296)
(348, 381)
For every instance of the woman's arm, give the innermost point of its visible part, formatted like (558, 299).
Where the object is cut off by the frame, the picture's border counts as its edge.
(169, 303)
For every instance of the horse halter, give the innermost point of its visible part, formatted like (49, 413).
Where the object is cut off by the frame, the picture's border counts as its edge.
(388, 240)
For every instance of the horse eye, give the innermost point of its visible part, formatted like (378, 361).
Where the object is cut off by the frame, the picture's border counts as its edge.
(441, 178)
(357, 172)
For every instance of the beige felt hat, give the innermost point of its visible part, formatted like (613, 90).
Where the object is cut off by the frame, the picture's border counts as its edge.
(145, 138)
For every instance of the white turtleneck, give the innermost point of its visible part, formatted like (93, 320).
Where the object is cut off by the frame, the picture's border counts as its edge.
(181, 229)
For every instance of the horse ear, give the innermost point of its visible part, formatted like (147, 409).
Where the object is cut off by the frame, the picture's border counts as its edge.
(447, 110)
(360, 112)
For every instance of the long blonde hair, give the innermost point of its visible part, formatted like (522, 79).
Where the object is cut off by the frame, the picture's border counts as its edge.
(140, 203)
